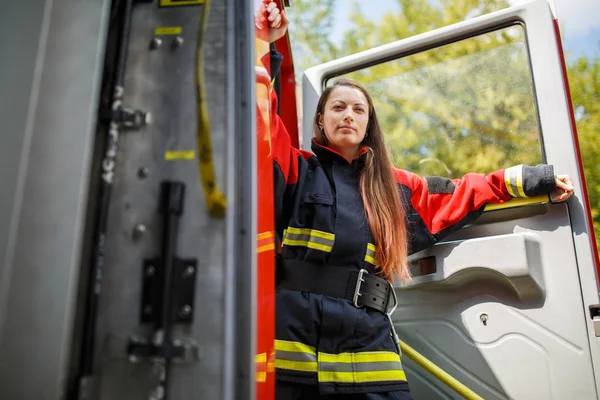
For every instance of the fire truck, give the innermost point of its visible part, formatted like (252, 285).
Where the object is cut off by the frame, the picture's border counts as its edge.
(137, 239)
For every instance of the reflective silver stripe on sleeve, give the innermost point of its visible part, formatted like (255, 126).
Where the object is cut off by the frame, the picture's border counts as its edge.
(513, 179)
(360, 367)
(295, 356)
(370, 255)
(311, 238)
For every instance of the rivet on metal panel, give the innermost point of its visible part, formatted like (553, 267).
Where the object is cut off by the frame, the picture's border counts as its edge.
(189, 271)
(177, 42)
(186, 310)
(596, 322)
(143, 172)
(158, 337)
(484, 319)
(157, 394)
(139, 231)
(155, 43)
(137, 339)
(150, 270)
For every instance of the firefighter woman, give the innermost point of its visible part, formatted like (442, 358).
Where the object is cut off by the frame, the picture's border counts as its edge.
(347, 220)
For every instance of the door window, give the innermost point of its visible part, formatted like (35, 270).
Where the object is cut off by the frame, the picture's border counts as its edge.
(467, 106)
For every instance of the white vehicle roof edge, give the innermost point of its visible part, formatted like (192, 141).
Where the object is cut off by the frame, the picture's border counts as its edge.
(553, 8)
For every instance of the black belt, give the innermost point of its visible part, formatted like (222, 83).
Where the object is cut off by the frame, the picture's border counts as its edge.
(360, 287)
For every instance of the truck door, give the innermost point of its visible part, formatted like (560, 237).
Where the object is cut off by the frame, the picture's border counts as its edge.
(505, 305)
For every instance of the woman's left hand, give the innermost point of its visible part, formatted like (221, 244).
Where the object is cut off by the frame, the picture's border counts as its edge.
(564, 188)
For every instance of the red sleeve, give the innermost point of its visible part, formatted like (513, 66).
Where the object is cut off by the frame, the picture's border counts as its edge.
(447, 202)
(284, 154)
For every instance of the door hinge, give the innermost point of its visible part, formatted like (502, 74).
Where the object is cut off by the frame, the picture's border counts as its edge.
(595, 315)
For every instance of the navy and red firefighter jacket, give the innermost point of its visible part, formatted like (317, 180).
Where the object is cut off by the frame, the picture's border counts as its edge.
(320, 219)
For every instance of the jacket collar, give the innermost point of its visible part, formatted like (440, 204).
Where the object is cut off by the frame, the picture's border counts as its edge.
(326, 153)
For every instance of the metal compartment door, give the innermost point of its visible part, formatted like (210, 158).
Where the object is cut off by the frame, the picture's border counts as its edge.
(503, 304)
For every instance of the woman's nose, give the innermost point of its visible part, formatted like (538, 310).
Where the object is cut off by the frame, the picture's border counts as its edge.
(349, 114)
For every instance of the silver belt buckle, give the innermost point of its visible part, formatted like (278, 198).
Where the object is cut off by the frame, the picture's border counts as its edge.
(392, 294)
(357, 292)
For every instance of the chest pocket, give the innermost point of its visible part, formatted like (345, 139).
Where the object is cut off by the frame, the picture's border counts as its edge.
(311, 231)
(316, 209)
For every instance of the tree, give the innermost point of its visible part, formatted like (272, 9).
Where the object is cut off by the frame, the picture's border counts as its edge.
(446, 111)
(466, 106)
(311, 22)
(584, 80)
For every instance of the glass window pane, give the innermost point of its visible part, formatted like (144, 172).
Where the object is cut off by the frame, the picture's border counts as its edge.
(467, 106)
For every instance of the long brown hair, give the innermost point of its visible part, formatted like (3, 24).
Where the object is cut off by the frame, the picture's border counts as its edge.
(379, 190)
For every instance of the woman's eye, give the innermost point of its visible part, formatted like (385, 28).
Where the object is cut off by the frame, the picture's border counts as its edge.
(338, 107)
(360, 110)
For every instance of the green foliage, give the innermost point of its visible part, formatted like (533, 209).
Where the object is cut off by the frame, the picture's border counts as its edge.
(445, 111)
(310, 24)
(584, 80)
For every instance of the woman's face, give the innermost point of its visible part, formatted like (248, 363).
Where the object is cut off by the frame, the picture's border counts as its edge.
(344, 119)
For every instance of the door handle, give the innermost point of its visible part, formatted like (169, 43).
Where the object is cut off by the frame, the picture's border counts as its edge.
(511, 260)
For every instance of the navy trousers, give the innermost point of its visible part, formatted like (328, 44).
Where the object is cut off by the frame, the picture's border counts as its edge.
(290, 391)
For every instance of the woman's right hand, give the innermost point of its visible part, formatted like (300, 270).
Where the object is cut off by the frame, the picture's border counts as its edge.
(275, 20)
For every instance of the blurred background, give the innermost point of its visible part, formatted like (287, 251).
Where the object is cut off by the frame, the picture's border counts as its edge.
(467, 106)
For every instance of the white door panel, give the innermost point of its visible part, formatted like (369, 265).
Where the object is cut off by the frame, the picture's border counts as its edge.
(525, 347)
(505, 309)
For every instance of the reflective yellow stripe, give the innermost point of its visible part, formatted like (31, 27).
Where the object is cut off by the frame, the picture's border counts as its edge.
(513, 178)
(310, 232)
(298, 347)
(311, 238)
(306, 366)
(368, 366)
(361, 377)
(370, 255)
(309, 352)
(520, 183)
(306, 243)
(362, 357)
(507, 182)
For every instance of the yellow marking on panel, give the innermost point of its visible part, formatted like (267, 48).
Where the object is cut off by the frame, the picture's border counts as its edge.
(175, 3)
(266, 248)
(518, 202)
(168, 30)
(174, 155)
(265, 235)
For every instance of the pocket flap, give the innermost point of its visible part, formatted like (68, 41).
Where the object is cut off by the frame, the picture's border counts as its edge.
(317, 198)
